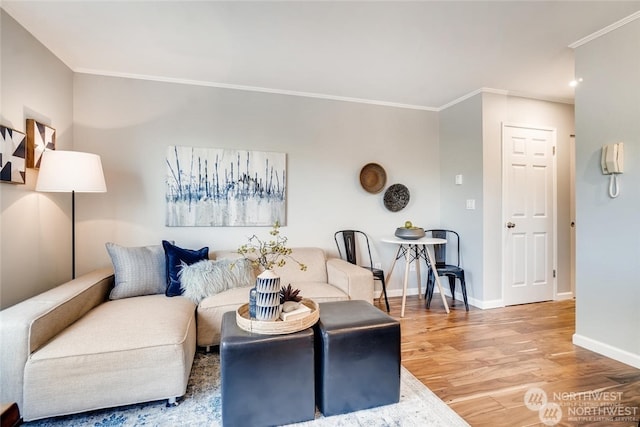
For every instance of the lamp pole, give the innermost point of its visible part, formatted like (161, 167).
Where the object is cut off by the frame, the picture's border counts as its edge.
(71, 171)
(73, 234)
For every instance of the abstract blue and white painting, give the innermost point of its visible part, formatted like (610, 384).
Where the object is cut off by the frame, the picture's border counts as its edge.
(222, 187)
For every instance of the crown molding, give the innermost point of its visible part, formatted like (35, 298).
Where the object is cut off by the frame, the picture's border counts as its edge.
(251, 89)
(315, 95)
(605, 30)
(471, 95)
(505, 93)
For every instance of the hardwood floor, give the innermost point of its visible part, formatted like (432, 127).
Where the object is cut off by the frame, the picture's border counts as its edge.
(482, 363)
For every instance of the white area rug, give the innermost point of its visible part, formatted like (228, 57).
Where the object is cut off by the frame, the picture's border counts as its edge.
(200, 406)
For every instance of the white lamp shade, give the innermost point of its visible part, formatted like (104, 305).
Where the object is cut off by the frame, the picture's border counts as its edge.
(66, 171)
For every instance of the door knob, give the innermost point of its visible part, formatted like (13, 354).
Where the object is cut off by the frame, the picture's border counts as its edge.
(510, 224)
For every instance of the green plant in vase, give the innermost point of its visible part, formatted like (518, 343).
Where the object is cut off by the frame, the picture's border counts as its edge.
(266, 254)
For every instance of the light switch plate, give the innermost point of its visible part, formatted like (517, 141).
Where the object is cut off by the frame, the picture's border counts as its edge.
(471, 204)
(458, 179)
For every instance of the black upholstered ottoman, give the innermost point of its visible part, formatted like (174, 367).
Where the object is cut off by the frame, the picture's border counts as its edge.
(266, 379)
(357, 357)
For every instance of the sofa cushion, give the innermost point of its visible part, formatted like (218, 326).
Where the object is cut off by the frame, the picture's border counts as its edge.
(138, 270)
(175, 257)
(319, 291)
(313, 258)
(211, 309)
(209, 277)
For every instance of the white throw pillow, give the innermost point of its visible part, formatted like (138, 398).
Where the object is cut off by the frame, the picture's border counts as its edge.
(209, 277)
(138, 270)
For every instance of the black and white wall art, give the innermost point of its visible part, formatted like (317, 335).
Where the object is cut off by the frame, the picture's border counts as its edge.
(40, 137)
(13, 152)
(223, 187)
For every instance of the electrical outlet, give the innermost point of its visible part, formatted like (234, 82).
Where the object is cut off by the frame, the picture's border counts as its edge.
(412, 266)
(377, 265)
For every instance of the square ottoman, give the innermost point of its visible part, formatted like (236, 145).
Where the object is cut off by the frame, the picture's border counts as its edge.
(357, 357)
(266, 379)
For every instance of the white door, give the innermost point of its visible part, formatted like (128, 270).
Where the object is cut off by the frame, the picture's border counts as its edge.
(528, 200)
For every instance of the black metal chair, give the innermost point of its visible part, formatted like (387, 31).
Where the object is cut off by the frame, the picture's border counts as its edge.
(452, 271)
(349, 240)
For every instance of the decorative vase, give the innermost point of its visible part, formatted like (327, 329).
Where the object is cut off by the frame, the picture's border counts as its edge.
(268, 296)
(252, 303)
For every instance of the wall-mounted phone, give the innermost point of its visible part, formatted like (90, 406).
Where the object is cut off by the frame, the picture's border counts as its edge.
(612, 158)
(612, 163)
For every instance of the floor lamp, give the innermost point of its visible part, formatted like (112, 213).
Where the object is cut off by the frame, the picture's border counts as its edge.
(71, 172)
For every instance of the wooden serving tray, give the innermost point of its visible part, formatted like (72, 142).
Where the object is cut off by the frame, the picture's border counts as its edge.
(277, 327)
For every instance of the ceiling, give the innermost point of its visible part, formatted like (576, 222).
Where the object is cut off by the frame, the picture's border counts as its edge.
(420, 54)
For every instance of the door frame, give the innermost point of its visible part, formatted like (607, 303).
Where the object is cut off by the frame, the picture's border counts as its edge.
(572, 213)
(554, 186)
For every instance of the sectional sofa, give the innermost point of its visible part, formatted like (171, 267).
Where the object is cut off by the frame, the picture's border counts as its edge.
(324, 280)
(89, 343)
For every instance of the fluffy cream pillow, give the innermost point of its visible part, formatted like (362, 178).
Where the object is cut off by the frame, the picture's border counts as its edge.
(209, 277)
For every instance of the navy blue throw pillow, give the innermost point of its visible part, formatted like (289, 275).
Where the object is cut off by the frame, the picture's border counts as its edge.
(175, 256)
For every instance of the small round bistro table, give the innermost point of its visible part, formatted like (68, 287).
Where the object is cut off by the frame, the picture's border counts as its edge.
(415, 250)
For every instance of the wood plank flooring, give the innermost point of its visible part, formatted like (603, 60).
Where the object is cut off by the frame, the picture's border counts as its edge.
(483, 362)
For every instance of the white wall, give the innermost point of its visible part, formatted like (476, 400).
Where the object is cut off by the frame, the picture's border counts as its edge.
(608, 230)
(130, 123)
(35, 228)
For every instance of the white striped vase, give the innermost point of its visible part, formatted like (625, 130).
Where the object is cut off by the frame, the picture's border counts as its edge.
(268, 296)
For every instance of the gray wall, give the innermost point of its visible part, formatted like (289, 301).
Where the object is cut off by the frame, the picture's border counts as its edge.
(35, 248)
(471, 145)
(608, 230)
(461, 154)
(130, 123)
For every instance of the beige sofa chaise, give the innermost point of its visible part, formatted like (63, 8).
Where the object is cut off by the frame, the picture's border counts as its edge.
(71, 349)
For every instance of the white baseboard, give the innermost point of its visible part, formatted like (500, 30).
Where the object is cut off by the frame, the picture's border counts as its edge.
(472, 301)
(487, 305)
(615, 353)
(564, 296)
(398, 292)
